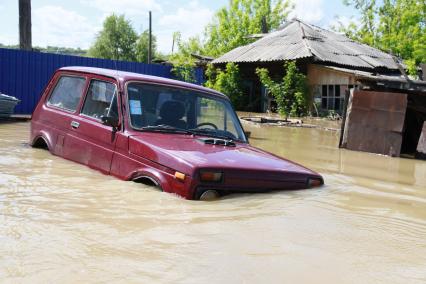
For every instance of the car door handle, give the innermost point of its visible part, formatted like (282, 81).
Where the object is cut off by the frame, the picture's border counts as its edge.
(75, 124)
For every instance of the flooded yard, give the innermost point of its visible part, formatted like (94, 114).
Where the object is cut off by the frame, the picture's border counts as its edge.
(63, 222)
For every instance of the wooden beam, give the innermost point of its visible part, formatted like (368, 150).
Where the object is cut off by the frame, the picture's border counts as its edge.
(25, 37)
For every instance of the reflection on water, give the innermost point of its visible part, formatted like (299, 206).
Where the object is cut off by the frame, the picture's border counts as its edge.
(63, 222)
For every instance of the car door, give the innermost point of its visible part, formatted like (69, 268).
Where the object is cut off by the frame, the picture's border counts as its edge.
(89, 141)
(60, 107)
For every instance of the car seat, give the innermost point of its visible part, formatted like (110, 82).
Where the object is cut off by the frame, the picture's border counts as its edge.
(171, 113)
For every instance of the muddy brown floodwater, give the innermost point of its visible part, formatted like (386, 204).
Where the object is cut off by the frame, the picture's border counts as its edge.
(61, 222)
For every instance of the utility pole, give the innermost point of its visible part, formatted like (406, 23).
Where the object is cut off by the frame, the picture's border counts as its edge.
(176, 40)
(264, 25)
(150, 39)
(25, 25)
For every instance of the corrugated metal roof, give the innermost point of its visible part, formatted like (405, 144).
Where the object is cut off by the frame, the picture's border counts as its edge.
(377, 77)
(297, 39)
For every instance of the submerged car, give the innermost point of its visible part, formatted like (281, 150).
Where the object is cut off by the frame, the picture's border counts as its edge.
(183, 138)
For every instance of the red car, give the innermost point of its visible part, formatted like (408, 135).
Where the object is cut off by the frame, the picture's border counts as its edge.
(183, 138)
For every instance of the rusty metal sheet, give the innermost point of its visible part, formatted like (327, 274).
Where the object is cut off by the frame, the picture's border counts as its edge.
(421, 146)
(374, 122)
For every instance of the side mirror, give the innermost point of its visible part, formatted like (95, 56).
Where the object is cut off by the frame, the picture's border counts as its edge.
(110, 121)
(247, 133)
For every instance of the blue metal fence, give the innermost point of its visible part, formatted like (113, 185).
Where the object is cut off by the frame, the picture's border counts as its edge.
(24, 74)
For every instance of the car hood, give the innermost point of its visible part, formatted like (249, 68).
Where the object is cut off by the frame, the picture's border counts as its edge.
(186, 153)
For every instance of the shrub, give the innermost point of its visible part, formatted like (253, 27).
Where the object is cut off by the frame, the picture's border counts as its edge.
(227, 81)
(184, 72)
(291, 93)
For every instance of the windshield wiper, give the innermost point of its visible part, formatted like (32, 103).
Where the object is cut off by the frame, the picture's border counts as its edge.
(194, 131)
(165, 128)
(210, 133)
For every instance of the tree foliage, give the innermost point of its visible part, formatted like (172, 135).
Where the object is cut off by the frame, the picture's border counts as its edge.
(183, 62)
(367, 30)
(142, 47)
(291, 93)
(396, 26)
(184, 72)
(228, 82)
(231, 25)
(230, 28)
(52, 49)
(119, 41)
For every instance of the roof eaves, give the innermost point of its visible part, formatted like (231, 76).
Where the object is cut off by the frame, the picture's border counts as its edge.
(258, 60)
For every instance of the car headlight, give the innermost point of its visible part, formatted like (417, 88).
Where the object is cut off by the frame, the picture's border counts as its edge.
(315, 182)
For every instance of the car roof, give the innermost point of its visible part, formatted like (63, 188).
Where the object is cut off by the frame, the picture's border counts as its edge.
(124, 76)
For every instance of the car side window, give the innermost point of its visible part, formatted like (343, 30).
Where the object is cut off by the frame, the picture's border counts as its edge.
(67, 93)
(101, 100)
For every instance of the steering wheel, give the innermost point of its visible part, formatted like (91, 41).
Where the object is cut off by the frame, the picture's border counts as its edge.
(207, 124)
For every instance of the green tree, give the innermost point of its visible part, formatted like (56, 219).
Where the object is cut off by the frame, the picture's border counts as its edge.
(230, 28)
(291, 93)
(183, 62)
(142, 47)
(396, 26)
(367, 31)
(117, 40)
(184, 72)
(231, 25)
(228, 82)
(402, 30)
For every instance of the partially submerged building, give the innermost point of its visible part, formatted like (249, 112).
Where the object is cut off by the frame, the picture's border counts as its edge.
(330, 60)
(384, 114)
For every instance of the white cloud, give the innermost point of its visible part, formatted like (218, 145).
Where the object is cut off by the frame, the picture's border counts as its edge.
(342, 21)
(190, 21)
(54, 25)
(127, 7)
(308, 10)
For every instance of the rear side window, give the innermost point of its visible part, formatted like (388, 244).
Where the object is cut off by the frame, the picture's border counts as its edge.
(67, 93)
(101, 100)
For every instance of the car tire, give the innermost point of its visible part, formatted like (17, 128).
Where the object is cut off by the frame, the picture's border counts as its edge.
(209, 195)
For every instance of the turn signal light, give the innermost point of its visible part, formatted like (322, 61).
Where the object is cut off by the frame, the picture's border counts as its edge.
(315, 182)
(210, 176)
(180, 176)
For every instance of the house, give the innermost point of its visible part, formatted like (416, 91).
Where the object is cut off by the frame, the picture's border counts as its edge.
(331, 61)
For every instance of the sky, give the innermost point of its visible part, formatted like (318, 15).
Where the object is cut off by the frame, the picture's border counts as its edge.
(75, 23)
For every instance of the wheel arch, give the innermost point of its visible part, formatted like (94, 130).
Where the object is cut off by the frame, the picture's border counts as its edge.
(42, 142)
(150, 177)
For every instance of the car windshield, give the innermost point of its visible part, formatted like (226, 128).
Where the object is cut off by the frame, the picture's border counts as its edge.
(168, 109)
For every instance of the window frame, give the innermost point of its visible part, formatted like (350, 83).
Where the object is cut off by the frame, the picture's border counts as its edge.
(57, 79)
(100, 79)
(333, 98)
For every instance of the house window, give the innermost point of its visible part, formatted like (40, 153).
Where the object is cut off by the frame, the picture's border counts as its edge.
(332, 97)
